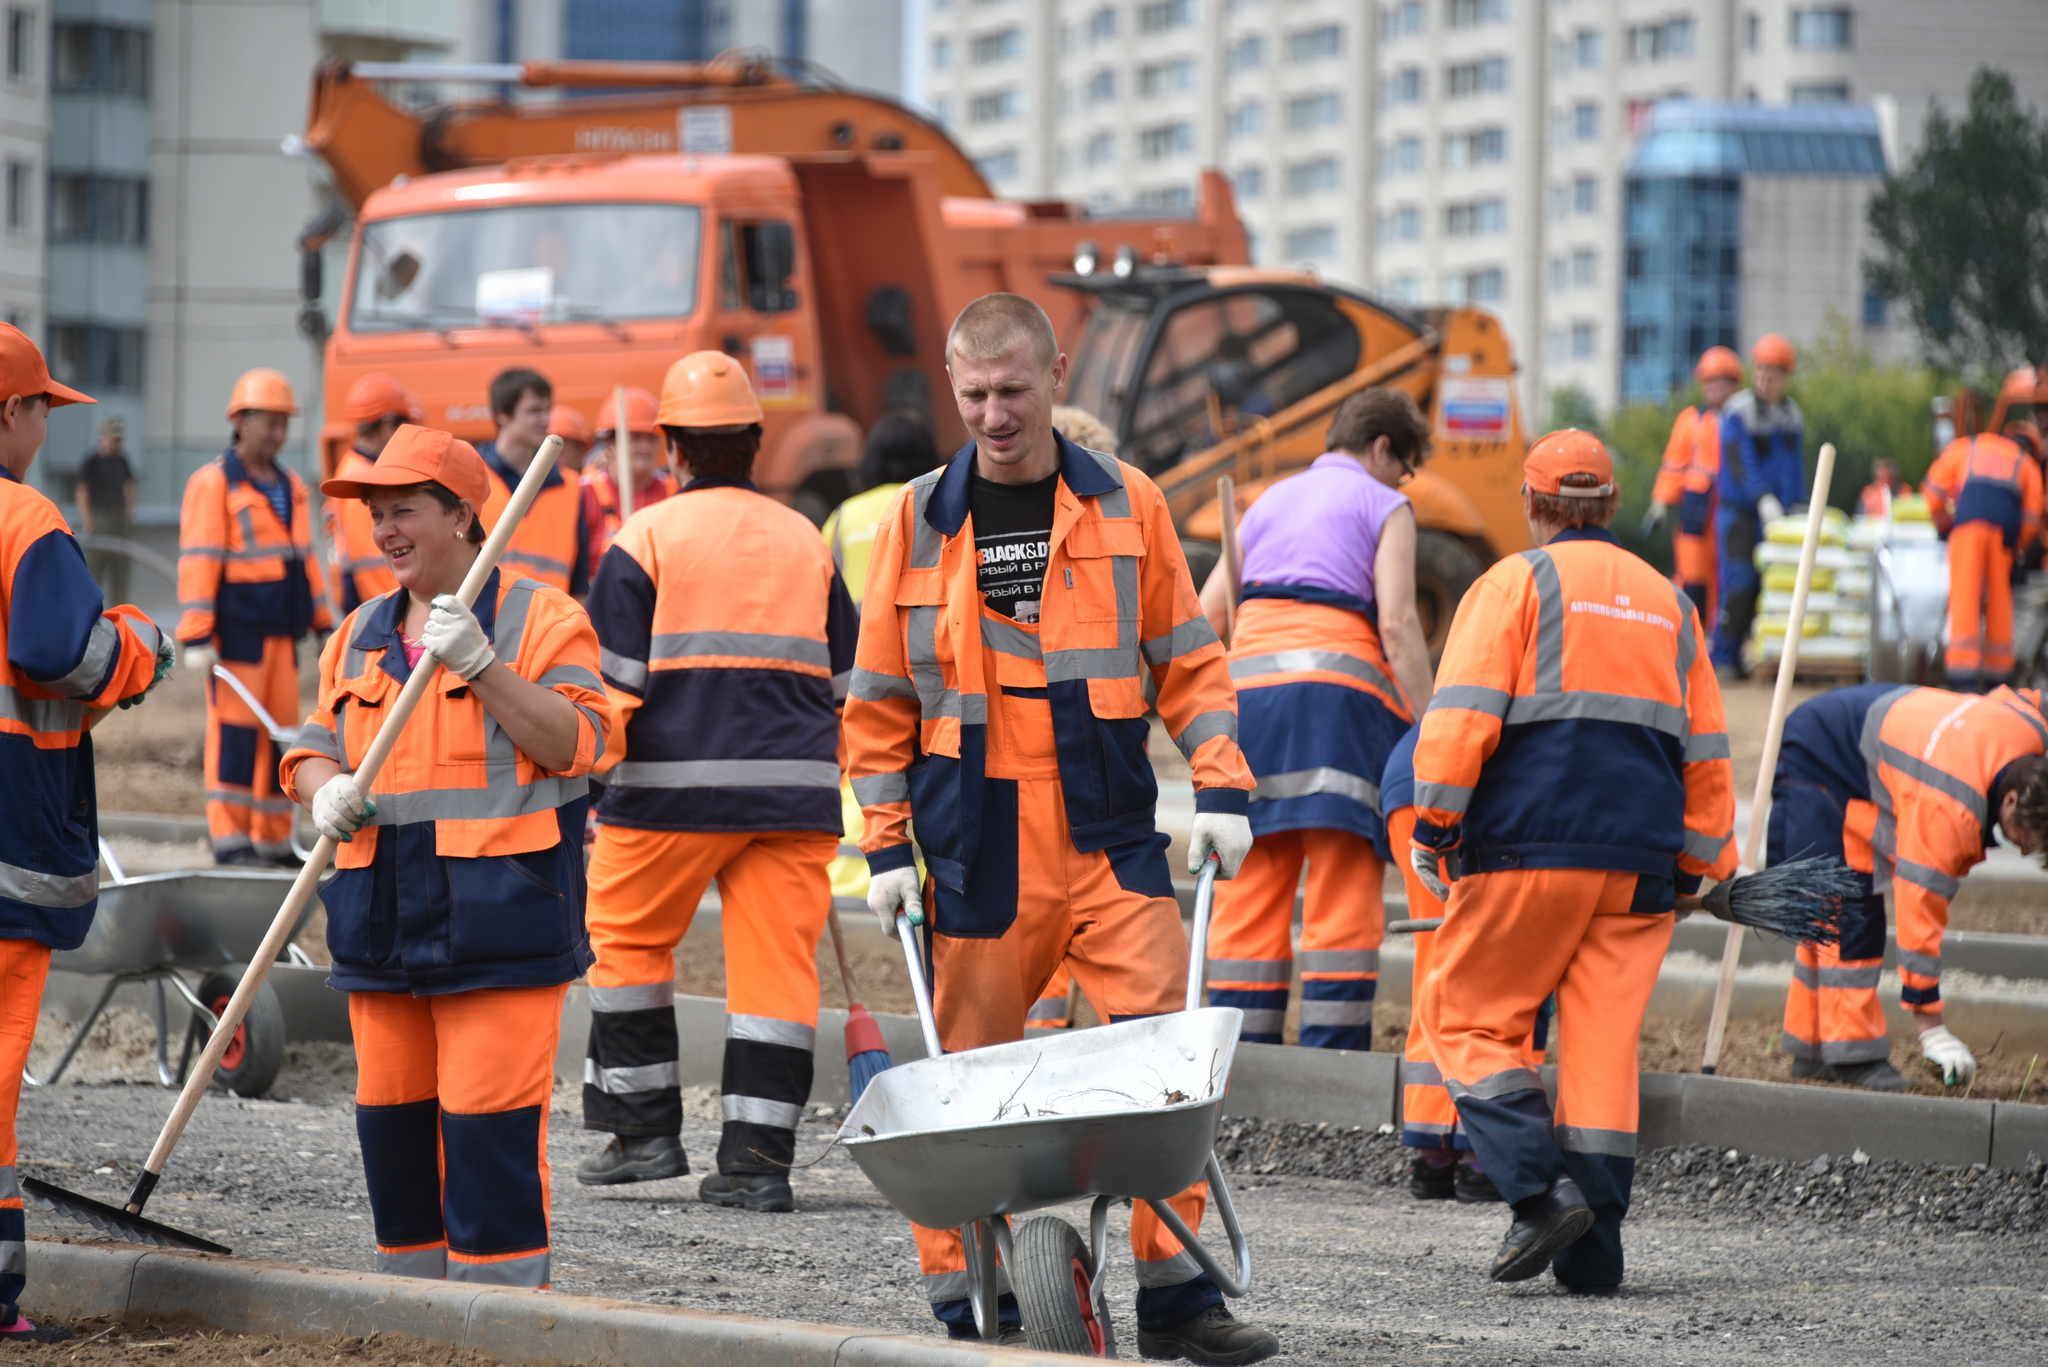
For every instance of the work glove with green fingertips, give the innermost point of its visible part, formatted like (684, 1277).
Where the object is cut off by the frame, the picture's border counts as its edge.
(340, 808)
(1950, 1056)
(892, 891)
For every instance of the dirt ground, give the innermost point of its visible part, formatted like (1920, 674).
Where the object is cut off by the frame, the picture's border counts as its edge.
(98, 1341)
(147, 758)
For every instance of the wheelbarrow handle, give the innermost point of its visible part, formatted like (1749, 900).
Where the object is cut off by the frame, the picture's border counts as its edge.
(920, 989)
(1198, 938)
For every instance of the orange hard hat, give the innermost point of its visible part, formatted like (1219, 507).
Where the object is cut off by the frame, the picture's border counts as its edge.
(1771, 349)
(707, 389)
(1565, 453)
(264, 389)
(642, 410)
(376, 395)
(1718, 363)
(570, 425)
(2021, 386)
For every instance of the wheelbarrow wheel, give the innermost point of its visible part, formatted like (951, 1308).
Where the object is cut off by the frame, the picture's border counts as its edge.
(1051, 1272)
(256, 1052)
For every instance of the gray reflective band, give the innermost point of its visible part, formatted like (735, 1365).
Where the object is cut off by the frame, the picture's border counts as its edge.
(1047, 1009)
(925, 541)
(876, 789)
(10, 1185)
(1688, 644)
(1420, 1073)
(1339, 960)
(1205, 727)
(13, 1258)
(572, 676)
(921, 651)
(1308, 661)
(1706, 745)
(478, 804)
(1248, 970)
(545, 563)
(54, 890)
(1442, 797)
(1583, 1139)
(1184, 639)
(1863, 976)
(631, 673)
(1926, 965)
(1913, 767)
(645, 1077)
(41, 714)
(869, 686)
(846, 851)
(1426, 1127)
(1117, 502)
(196, 605)
(769, 1030)
(1549, 621)
(759, 1110)
(321, 740)
(2030, 717)
(725, 773)
(970, 708)
(1310, 782)
(1007, 638)
(840, 683)
(531, 1270)
(418, 1262)
(947, 1286)
(1111, 662)
(1174, 1271)
(596, 720)
(102, 643)
(1471, 698)
(366, 562)
(1705, 848)
(255, 804)
(752, 645)
(1587, 706)
(1923, 876)
(1328, 1013)
(1264, 1021)
(1504, 1083)
(632, 996)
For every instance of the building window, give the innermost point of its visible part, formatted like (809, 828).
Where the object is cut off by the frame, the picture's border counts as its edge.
(1560, 274)
(1404, 289)
(1587, 46)
(96, 354)
(1403, 224)
(1399, 20)
(1474, 78)
(1157, 78)
(1102, 24)
(999, 164)
(99, 208)
(1101, 148)
(1405, 87)
(1655, 42)
(998, 46)
(1401, 157)
(942, 53)
(1157, 16)
(1166, 140)
(18, 173)
(1310, 177)
(1245, 54)
(21, 41)
(1475, 147)
(1585, 266)
(1247, 119)
(1318, 239)
(1875, 309)
(100, 58)
(1309, 43)
(1752, 31)
(1314, 111)
(1824, 92)
(1248, 181)
(1467, 13)
(1102, 85)
(1585, 195)
(993, 106)
(1584, 335)
(1178, 198)
(1488, 285)
(1475, 218)
(1822, 30)
(1586, 121)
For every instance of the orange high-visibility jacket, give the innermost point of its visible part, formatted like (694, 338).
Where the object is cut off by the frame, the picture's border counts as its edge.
(362, 570)
(1986, 478)
(1577, 723)
(1119, 613)
(1691, 469)
(602, 517)
(242, 574)
(551, 543)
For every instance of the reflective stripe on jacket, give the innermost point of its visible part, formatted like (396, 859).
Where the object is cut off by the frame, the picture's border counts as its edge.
(1577, 723)
(242, 574)
(1691, 470)
(1986, 478)
(551, 542)
(1119, 610)
(472, 873)
(61, 660)
(728, 641)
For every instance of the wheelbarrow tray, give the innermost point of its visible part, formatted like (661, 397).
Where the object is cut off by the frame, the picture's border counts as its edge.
(193, 920)
(1126, 1110)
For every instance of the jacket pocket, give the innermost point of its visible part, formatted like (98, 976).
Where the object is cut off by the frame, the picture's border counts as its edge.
(1694, 505)
(360, 703)
(507, 907)
(1105, 559)
(362, 928)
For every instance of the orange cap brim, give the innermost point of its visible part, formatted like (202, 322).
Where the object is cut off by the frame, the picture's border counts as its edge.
(61, 394)
(385, 474)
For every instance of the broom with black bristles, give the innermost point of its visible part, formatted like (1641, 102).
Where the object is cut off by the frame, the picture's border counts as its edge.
(1801, 899)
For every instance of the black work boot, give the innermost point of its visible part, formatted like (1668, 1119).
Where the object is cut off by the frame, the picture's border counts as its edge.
(1472, 1186)
(1546, 1224)
(648, 1159)
(1875, 1076)
(1213, 1336)
(1428, 1181)
(757, 1191)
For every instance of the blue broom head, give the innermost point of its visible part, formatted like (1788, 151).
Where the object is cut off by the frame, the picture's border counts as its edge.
(864, 1068)
(1801, 899)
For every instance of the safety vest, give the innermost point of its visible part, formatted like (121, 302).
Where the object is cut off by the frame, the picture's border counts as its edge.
(1987, 478)
(1119, 611)
(550, 542)
(601, 514)
(61, 660)
(850, 532)
(728, 640)
(1762, 452)
(471, 874)
(1576, 723)
(1691, 469)
(363, 571)
(242, 574)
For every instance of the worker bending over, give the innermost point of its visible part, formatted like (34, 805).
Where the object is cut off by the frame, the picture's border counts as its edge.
(1330, 667)
(1572, 778)
(603, 511)
(1984, 493)
(552, 543)
(455, 914)
(64, 661)
(1689, 478)
(728, 640)
(378, 405)
(1020, 599)
(1763, 436)
(250, 588)
(1910, 787)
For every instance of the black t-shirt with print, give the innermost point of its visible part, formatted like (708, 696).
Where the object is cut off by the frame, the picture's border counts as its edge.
(1012, 538)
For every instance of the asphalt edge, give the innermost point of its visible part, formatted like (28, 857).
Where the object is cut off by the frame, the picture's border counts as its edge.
(85, 1281)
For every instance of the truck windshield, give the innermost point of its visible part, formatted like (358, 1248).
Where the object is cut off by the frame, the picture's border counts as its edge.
(521, 265)
(1102, 362)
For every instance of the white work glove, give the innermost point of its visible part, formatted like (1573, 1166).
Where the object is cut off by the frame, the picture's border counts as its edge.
(1428, 866)
(340, 809)
(1224, 834)
(453, 636)
(1653, 519)
(199, 658)
(1948, 1054)
(1769, 509)
(894, 891)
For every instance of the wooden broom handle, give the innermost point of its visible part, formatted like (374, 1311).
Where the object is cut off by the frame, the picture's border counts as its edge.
(1233, 567)
(839, 952)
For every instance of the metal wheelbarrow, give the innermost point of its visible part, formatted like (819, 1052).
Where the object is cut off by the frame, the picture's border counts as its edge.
(158, 928)
(1123, 1111)
(282, 738)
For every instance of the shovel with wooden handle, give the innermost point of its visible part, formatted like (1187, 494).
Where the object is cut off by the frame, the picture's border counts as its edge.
(127, 1221)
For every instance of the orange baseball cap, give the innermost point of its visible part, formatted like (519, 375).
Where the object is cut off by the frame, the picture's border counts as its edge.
(23, 371)
(1569, 452)
(420, 455)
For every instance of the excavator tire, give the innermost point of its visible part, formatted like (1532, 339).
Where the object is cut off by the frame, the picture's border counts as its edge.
(1445, 566)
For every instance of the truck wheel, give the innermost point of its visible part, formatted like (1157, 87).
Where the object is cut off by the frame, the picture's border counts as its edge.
(1052, 1273)
(256, 1053)
(1445, 566)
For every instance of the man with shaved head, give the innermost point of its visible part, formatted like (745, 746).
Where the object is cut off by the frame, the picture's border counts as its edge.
(1038, 589)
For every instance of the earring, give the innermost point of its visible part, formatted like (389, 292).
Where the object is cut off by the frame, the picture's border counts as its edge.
(458, 536)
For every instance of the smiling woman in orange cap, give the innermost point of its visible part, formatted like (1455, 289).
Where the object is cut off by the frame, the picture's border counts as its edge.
(455, 916)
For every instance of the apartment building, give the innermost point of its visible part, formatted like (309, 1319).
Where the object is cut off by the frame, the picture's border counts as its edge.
(24, 152)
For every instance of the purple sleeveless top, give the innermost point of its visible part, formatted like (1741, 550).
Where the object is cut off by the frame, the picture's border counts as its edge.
(1320, 528)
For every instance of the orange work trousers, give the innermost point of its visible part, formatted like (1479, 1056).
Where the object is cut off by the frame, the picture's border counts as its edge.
(1979, 607)
(245, 807)
(452, 1111)
(1696, 564)
(774, 891)
(1832, 1014)
(24, 968)
(1509, 940)
(1342, 924)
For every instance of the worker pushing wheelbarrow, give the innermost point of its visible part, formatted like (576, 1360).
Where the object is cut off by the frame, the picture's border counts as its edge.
(1124, 1111)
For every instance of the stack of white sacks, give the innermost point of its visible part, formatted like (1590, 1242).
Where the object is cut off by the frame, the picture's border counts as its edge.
(1835, 634)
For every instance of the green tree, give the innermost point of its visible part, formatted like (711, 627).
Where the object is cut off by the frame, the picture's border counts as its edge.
(1572, 406)
(1962, 232)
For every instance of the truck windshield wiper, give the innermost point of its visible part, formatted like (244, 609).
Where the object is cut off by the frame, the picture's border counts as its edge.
(578, 313)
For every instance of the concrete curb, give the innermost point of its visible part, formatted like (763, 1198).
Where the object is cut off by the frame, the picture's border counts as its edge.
(76, 1281)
